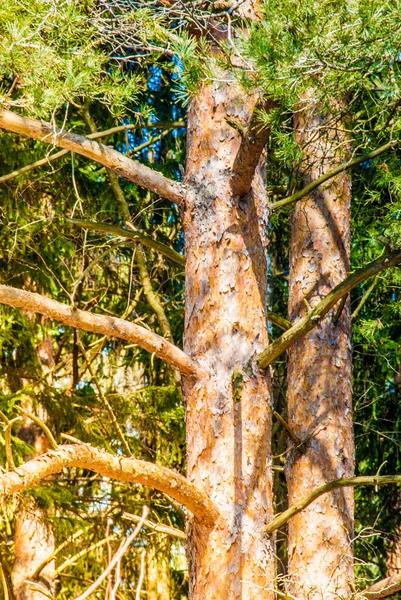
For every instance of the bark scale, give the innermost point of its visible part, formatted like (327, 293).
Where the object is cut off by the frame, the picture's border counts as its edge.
(319, 372)
(228, 406)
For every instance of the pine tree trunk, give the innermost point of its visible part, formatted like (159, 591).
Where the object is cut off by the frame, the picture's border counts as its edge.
(33, 538)
(319, 372)
(228, 408)
(33, 543)
(158, 571)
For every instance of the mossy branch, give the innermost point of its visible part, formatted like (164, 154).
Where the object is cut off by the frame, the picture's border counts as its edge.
(285, 516)
(330, 174)
(303, 326)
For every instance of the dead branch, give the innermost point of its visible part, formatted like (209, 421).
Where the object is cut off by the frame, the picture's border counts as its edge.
(93, 136)
(134, 235)
(125, 544)
(110, 326)
(382, 589)
(158, 527)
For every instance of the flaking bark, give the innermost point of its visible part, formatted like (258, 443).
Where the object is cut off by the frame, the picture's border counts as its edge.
(228, 423)
(319, 372)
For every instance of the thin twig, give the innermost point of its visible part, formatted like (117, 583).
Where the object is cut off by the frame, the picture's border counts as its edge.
(364, 298)
(103, 398)
(158, 527)
(141, 576)
(40, 424)
(117, 556)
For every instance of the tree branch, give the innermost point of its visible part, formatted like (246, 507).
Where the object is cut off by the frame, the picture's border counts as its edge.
(104, 155)
(285, 516)
(254, 139)
(278, 320)
(105, 325)
(122, 469)
(158, 527)
(382, 589)
(303, 326)
(94, 136)
(326, 176)
(135, 236)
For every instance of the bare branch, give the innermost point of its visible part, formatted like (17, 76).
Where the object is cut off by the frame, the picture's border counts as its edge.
(135, 236)
(303, 326)
(94, 136)
(285, 516)
(125, 544)
(326, 176)
(104, 155)
(110, 326)
(278, 320)
(158, 527)
(254, 139)
(123, 469)
(382, 589)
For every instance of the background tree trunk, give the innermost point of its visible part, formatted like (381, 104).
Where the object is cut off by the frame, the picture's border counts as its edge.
(33, 538)
(228, 408)
(319, 371)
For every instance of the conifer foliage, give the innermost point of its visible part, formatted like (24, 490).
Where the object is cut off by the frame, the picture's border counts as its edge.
(194, 195)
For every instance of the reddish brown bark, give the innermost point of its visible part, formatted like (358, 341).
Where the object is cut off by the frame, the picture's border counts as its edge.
(228, 407)
(34, 539)
(319, 373)
(33, 543)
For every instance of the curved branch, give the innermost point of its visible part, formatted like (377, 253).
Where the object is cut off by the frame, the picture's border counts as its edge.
(128, 470)
(110, 326)
(303, 326)
(382, 589)
(326, 176)
(104, 155)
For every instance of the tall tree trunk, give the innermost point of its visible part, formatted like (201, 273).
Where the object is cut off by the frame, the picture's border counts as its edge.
(319, 372)
(34, 539)
(33, 543)
(228, 408)
(158, 570)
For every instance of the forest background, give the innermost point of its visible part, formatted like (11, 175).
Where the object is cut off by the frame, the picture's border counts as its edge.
(125, 72)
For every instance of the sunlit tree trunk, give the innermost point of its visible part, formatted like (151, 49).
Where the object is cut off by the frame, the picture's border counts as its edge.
(158, 571)
(228, 408)
(34, 540)
(319, 371)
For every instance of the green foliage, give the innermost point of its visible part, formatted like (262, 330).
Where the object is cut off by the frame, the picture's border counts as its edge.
(50, 58)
